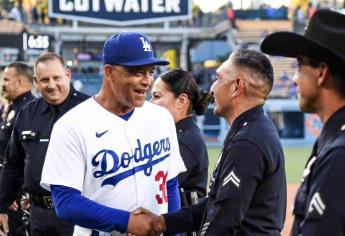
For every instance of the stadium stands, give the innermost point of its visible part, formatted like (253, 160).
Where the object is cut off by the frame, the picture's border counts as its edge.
(11, 27)
(252, 31)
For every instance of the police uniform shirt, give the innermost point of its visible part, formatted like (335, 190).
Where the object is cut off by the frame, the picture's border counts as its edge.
(194, 154)
(248, 187)
(6, 125)
(23, 145)
(319, 205)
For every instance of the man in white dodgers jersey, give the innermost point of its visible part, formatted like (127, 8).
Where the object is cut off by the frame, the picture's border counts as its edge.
(115, 152)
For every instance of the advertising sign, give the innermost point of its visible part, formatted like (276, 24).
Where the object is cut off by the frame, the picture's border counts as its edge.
(33, 41)
(121, 12)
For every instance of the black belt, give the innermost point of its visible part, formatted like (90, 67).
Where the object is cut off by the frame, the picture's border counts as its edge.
(45, 202)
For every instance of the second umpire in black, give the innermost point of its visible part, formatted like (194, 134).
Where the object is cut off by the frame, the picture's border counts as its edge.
(28, 145)
(16, 89)
(319, 205)
(248, 188)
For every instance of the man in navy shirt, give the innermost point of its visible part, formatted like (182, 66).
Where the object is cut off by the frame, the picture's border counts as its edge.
(16, 88)
(319, 205)
(28, 145)
(248, 188)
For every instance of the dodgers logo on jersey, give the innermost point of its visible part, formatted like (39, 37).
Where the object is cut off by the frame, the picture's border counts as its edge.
(110, 162)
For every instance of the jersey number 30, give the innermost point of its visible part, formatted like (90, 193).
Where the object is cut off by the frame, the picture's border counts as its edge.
(162, 197)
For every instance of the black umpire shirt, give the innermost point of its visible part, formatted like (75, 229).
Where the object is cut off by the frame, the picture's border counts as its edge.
(21, 154)
(194, 154)
(248, 187)
(319, 205)
(7, 125)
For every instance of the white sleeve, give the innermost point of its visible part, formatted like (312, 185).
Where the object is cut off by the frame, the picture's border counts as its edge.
(64, 163)
(176, 164)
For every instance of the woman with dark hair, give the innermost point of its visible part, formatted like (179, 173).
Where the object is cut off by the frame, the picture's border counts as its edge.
(178, 91)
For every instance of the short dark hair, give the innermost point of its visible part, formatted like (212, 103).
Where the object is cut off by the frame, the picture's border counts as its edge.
(256, 62)
(23, 70)
(179, 82)
(49, 56)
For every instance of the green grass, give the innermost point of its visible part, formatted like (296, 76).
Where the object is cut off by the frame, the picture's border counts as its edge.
(295, 159)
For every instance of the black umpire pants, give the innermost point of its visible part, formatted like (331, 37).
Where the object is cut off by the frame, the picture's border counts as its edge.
(44, 222)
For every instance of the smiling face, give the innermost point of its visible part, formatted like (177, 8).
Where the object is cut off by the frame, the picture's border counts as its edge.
(53, 81)
(129, 85)
(223, 88)
(163, 96)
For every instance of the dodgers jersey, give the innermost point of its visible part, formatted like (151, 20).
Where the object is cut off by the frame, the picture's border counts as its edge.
(117, 163)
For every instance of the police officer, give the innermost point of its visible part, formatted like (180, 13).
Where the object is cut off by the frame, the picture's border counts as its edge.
(178, 91)
(248, 188)
(28, 144)
(319, 205)
(16, 89)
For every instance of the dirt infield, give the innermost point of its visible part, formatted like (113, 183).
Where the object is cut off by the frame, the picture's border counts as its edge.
(291, 192)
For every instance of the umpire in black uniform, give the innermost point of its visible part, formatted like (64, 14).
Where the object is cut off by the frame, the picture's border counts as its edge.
(16, 89)
(28, 145)
(319, 205)
(248, 188)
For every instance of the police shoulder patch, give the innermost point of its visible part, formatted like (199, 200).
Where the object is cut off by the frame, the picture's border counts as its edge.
(317, 207)
(232, 178)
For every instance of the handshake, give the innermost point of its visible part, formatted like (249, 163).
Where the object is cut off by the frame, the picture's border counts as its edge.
(142, 222)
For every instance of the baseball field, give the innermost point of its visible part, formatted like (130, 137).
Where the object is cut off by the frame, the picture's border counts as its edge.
(295, 159)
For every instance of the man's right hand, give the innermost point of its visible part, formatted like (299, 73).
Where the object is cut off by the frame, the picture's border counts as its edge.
(143, 222)
(3, 224)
